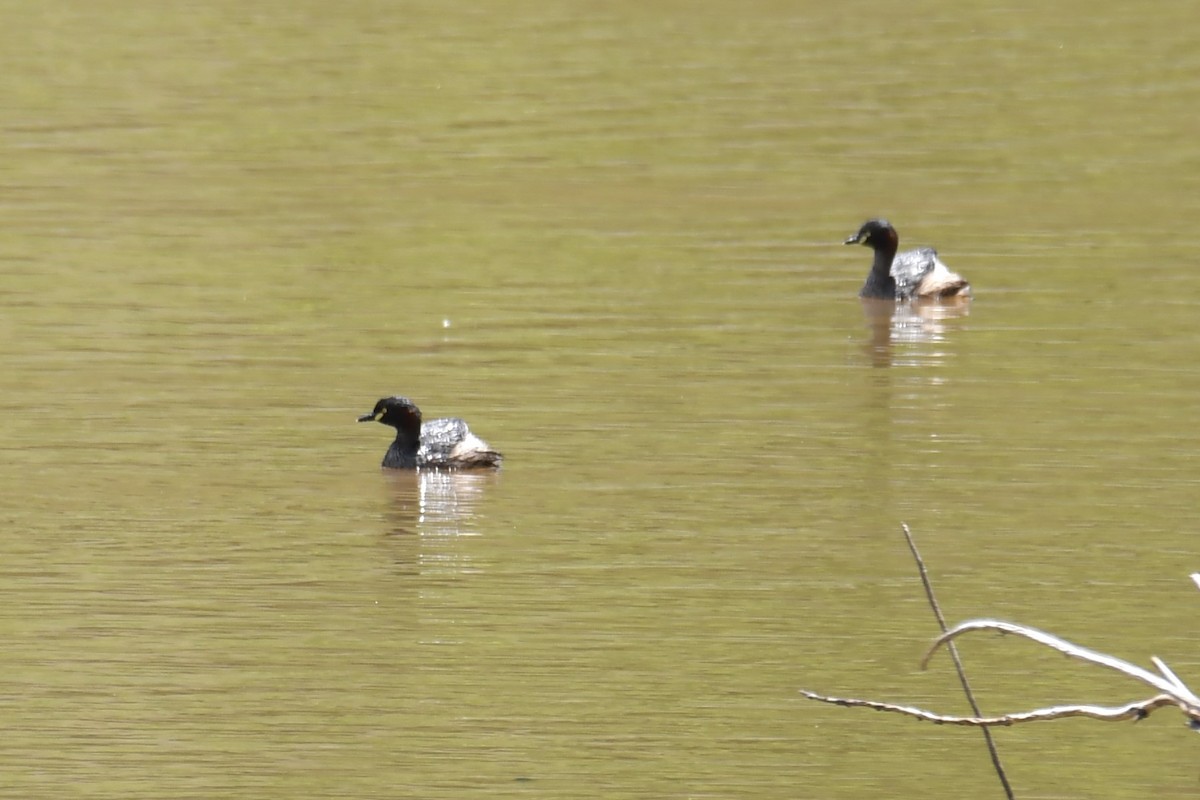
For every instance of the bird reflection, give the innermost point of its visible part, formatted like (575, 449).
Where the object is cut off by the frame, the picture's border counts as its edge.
(431, 511)
(919, 337)
(910, 334)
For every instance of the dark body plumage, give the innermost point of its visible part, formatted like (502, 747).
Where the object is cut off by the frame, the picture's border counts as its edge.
(904, 276)
(437, 444)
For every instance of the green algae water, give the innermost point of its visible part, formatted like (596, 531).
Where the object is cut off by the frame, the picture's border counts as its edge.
(608, 235)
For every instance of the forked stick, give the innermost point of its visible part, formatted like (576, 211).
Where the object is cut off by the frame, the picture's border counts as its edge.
(1172, 690)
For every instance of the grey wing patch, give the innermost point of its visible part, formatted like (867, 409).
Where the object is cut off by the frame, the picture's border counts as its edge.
(439, 438)
(449, 443)
(909, 267)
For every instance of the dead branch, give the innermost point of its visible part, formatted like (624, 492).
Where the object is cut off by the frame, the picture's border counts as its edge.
(989, 741)
(1135, 711)
(1174, 687)
(1172, 690)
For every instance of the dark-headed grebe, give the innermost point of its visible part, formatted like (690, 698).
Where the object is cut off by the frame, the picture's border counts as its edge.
(912, 274)
(438, 444)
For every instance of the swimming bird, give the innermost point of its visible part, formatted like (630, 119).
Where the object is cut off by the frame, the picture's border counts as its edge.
(437, 444)
(904, 276)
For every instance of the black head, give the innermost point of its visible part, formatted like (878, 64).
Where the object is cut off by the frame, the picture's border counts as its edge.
(399, 412)
(876, 233)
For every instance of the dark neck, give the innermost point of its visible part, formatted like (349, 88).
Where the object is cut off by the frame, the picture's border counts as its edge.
(879, 280)
(403, 452)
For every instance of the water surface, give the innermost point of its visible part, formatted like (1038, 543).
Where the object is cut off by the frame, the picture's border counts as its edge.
(608, 235)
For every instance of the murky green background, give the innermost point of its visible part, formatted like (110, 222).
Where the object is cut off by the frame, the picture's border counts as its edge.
(608, 234)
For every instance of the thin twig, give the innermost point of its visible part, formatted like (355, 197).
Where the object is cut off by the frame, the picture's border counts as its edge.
(1179, 685)
(958, 665)
(1135, 711)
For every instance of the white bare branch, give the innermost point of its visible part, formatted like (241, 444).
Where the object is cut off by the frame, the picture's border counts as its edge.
(1172, 685)
(1170, 675)
(1135, 711)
